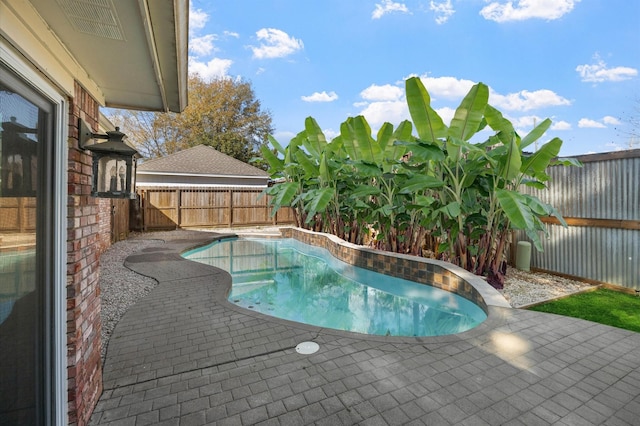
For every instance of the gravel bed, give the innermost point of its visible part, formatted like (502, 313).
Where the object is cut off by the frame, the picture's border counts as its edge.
(120, 288)
(523, 289)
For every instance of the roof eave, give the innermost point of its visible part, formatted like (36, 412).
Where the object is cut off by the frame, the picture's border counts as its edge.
(155, 173)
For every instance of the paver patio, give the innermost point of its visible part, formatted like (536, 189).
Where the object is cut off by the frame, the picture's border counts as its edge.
(183, 355)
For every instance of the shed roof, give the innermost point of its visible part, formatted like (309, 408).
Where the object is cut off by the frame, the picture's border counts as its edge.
(200, 160)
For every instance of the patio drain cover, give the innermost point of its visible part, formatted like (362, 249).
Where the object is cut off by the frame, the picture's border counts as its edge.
(307, 348)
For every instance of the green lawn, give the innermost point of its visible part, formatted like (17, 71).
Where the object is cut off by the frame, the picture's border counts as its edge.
(604, 306)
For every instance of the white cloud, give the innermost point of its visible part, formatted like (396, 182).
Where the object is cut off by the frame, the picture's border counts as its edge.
(598, 124)
(213, 69)
(275, 44)
(378, 113)
(447, 87)
(320, 97)
(201, 46)
(610, 120)
(598, 72)
(561, 125)
(590, 124)
(444, 10)
(446, 114)
(526, 121)
(260, 71)
(330, 134)
(526, 100)
(388, 6)
(284, 137)
(197, 19)
(382, 93)
(231, 34)
(527, 9)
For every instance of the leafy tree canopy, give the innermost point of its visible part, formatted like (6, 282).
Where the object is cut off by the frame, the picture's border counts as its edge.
(222, 113)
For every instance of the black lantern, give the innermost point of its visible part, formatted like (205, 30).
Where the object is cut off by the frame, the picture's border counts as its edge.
(114, 163)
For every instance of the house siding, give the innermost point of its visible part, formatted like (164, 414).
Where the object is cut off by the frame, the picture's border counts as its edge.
(169, 180)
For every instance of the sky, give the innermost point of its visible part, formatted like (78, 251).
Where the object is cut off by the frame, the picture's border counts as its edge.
(575, 62)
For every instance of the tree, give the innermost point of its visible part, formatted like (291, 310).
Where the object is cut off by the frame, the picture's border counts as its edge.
(222, 113)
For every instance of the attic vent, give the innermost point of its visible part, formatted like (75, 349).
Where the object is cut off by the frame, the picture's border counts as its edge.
(94, 17)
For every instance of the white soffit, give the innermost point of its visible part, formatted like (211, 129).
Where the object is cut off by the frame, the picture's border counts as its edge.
(132, 49)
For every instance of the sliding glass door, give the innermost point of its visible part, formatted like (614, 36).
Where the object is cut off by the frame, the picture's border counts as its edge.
(27, 271)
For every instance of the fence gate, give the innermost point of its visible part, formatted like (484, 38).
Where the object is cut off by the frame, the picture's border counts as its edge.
(119, 219)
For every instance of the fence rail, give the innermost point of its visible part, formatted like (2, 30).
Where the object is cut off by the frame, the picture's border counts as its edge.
(601, 205)
(170, 208)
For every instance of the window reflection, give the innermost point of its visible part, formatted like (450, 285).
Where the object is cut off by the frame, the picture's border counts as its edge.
(22, 133)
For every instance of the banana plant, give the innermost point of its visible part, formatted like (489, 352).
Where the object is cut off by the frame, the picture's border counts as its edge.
(439, 188)
(478, 203)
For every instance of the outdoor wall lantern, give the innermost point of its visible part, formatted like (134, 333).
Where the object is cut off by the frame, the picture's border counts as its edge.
(114, 163)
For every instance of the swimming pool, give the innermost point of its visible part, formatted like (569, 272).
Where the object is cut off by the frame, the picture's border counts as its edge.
(288, 279)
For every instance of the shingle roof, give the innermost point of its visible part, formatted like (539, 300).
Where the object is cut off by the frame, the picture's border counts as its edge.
(201, 159)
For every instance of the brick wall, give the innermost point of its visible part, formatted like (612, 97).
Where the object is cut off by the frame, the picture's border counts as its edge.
(84, 367)
(104, 224)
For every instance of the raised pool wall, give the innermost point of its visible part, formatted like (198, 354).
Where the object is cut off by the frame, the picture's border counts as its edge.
(436, 273)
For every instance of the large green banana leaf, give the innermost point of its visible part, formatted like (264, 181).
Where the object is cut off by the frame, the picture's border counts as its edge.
(535, 134)
(283, 194)
(356, 137)
(276, 144)
(536, 164)
(276, 165)
(310, 168)
(516, 209)
(469, 114)
(385, 135)
(428, 123)
(418, 183)
(315, 142)
(319, 199)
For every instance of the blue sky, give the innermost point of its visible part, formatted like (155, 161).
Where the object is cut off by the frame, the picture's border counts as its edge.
(576, 62)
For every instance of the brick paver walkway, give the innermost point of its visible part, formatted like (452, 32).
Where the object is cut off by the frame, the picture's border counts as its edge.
(185, 356)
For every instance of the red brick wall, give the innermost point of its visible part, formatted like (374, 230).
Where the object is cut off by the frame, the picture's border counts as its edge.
(104, 223)
(84, 367)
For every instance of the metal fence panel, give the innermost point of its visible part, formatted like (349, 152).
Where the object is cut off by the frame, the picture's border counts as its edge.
(601, 203)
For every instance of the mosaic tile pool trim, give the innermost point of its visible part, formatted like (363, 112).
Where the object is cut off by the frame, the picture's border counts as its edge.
(422, 270)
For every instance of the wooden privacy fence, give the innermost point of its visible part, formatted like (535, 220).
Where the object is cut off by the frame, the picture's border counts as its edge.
(17, 214)
(170, 208)
(601, 204)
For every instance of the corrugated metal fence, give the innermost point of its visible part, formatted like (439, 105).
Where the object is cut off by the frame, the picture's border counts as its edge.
(168, 208)
(601, 204)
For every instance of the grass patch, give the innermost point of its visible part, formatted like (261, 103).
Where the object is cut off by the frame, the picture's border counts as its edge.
(603, 306)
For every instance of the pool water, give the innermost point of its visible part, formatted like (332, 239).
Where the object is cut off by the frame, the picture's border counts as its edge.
(288, 279)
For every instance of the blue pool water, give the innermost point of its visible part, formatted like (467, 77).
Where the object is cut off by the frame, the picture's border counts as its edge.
(288, 279)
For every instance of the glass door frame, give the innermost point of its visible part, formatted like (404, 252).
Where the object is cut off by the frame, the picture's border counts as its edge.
(54, 396)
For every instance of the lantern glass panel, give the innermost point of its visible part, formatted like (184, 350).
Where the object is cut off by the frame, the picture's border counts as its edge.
(113, 175)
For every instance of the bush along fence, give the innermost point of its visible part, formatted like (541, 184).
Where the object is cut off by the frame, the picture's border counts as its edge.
(601, 205)
(436, 194)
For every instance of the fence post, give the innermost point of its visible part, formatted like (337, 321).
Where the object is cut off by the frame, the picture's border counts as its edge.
(230, 203)
(178, 207)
